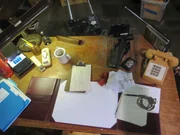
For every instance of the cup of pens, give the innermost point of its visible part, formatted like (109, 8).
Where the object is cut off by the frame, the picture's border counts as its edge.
(35, 49)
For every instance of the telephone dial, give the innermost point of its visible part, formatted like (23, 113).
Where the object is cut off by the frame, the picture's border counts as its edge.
(158, 65)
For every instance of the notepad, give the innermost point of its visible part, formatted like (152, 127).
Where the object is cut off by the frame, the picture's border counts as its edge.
(80, 78)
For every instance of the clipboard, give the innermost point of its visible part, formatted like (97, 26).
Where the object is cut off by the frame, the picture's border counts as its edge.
(12, 103)
(79, 79)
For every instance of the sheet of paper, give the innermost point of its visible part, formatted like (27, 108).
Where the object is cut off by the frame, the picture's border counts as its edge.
(96, 108)
(153, 92)
(3, 94)
(80, 78)
(129, 111)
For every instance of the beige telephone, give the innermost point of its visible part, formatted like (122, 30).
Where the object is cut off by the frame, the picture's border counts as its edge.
(158, 65)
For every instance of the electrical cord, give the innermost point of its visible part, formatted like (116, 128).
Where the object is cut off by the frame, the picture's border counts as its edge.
(151, 102)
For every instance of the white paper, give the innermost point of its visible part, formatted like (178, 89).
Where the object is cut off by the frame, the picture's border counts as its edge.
(3, 94)
(15, 89)
(96, 108)
(80, 78)
(119, 81)
(129, 111)
(153, 92)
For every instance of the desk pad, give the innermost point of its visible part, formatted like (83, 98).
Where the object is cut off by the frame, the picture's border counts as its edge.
(43, 93)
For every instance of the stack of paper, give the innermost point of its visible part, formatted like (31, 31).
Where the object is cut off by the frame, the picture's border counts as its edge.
(80, 79)
(119, 81)
(128, 109)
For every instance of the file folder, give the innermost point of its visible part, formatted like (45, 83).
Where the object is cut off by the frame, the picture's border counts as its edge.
(12, 103)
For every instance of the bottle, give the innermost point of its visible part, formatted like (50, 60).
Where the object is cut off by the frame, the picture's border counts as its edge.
(5, 70)
(35, 49)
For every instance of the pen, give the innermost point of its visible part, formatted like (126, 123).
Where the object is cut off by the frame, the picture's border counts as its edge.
(134, 95)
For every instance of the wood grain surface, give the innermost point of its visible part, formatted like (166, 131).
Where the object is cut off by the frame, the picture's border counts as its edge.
(95, 51)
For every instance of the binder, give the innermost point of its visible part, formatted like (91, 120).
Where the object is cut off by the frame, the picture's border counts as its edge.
(12, 103)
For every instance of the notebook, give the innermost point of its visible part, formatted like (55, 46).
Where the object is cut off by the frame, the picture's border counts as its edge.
(12, 103)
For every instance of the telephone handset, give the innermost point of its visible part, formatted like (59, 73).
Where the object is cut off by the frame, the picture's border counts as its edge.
(158, 65)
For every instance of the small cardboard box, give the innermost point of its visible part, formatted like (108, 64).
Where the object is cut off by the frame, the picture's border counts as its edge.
(153, 9)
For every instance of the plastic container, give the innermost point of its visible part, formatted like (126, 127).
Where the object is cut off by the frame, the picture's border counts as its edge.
(5, 70)
(153, 10)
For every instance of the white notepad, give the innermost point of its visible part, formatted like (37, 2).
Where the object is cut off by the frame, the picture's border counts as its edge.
(80, 78)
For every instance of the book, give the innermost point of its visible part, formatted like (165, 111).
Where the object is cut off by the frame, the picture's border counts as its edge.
(12, 103)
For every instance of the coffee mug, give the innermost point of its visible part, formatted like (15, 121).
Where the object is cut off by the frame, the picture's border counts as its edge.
(60, 53)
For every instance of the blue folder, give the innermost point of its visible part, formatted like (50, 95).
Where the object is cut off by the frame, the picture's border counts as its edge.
(12, 102)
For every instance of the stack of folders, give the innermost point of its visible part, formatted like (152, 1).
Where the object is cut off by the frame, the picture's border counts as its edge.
(80, 79)
(12, 103)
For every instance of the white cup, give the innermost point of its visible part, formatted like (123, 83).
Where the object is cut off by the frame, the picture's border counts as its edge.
(60, 53)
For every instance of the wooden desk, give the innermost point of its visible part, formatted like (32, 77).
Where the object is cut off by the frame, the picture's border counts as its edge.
(94, 52)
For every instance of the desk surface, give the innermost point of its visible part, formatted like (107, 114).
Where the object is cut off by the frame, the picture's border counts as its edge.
(94, 52)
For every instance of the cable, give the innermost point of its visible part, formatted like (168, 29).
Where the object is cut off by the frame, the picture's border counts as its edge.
(151, 102)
